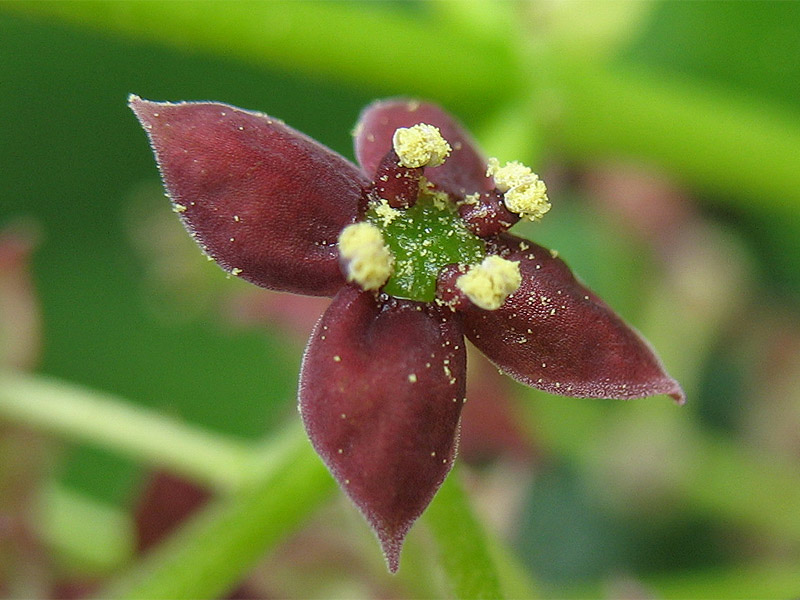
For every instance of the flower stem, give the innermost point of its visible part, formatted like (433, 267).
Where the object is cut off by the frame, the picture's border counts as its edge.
(101, 419)
(737, 146)
(296, 36)
(463, 545)
(217, 548)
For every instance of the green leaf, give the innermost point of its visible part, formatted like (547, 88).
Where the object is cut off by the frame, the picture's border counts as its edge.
(711, 474)
(749, 46)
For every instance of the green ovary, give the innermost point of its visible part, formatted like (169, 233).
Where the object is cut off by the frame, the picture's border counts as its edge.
(423, 239)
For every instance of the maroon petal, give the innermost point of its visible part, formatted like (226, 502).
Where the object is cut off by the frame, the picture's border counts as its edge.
(381, 391)
(556, 335)
(265, 201)
(464, 171)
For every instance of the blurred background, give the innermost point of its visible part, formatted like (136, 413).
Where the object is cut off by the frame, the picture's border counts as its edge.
(669, 136)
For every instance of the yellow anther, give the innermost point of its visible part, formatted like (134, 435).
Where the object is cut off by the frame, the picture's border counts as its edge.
(491, 282)
(369, 262)
(420, 146)
(524, 193)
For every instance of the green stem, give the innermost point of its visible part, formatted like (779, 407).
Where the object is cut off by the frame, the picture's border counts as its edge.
(216, 549)
(463, 546)
(374, 45)
(734, 145)
(738, 146)
(768, 580)
(101, 419)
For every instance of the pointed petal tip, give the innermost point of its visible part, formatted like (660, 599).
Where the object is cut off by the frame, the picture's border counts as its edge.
(391, 536)
(391, 544)
(383, 422)
(676, 393)
(142, 108)
(137, 103)
(666, 386)
(147, 111)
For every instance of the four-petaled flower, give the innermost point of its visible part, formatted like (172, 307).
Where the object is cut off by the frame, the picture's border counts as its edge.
(414, 249)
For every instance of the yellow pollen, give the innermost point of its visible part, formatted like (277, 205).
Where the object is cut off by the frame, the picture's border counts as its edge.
(420, 146)
(369, 262)
(524, 193)
(491, 282)
(471, 198)
(386, 213)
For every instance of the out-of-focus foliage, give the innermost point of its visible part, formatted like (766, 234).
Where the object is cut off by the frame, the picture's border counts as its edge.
(669, 135)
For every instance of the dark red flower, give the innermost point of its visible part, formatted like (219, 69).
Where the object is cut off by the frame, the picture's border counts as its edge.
(414, 248)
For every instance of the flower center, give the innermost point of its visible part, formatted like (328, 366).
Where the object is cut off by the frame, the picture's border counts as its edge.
(412, 230)
(423, 239)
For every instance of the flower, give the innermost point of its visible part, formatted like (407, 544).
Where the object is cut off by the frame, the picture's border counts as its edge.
(414, 249)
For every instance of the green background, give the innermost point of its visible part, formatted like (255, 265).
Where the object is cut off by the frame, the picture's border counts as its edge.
(706, 94)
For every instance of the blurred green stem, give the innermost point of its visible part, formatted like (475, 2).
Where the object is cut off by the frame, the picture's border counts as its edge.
(276, 486)
(740, 147)
(360, 43)
(216, 549)
(734, 145)
(475, 562)
(103, 420)
(461, 542)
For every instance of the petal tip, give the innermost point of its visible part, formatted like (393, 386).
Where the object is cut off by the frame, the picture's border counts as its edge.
(143, 109)
(137, 103)
(391, 544)
(676, 393)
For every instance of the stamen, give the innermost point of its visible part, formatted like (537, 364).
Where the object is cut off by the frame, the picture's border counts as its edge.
(524, 193)
(420, 146)
(486, 214)
(396, 184)
(366, 258)
(489, 283)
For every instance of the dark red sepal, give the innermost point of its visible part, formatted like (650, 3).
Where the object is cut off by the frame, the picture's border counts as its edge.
(464, 171)
(381, 390)
(556, 335)
(265, 201)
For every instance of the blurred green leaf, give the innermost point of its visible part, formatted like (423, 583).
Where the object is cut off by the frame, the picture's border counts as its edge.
(750, 49)
(713, 474)
(768, 581)
(749, 46)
